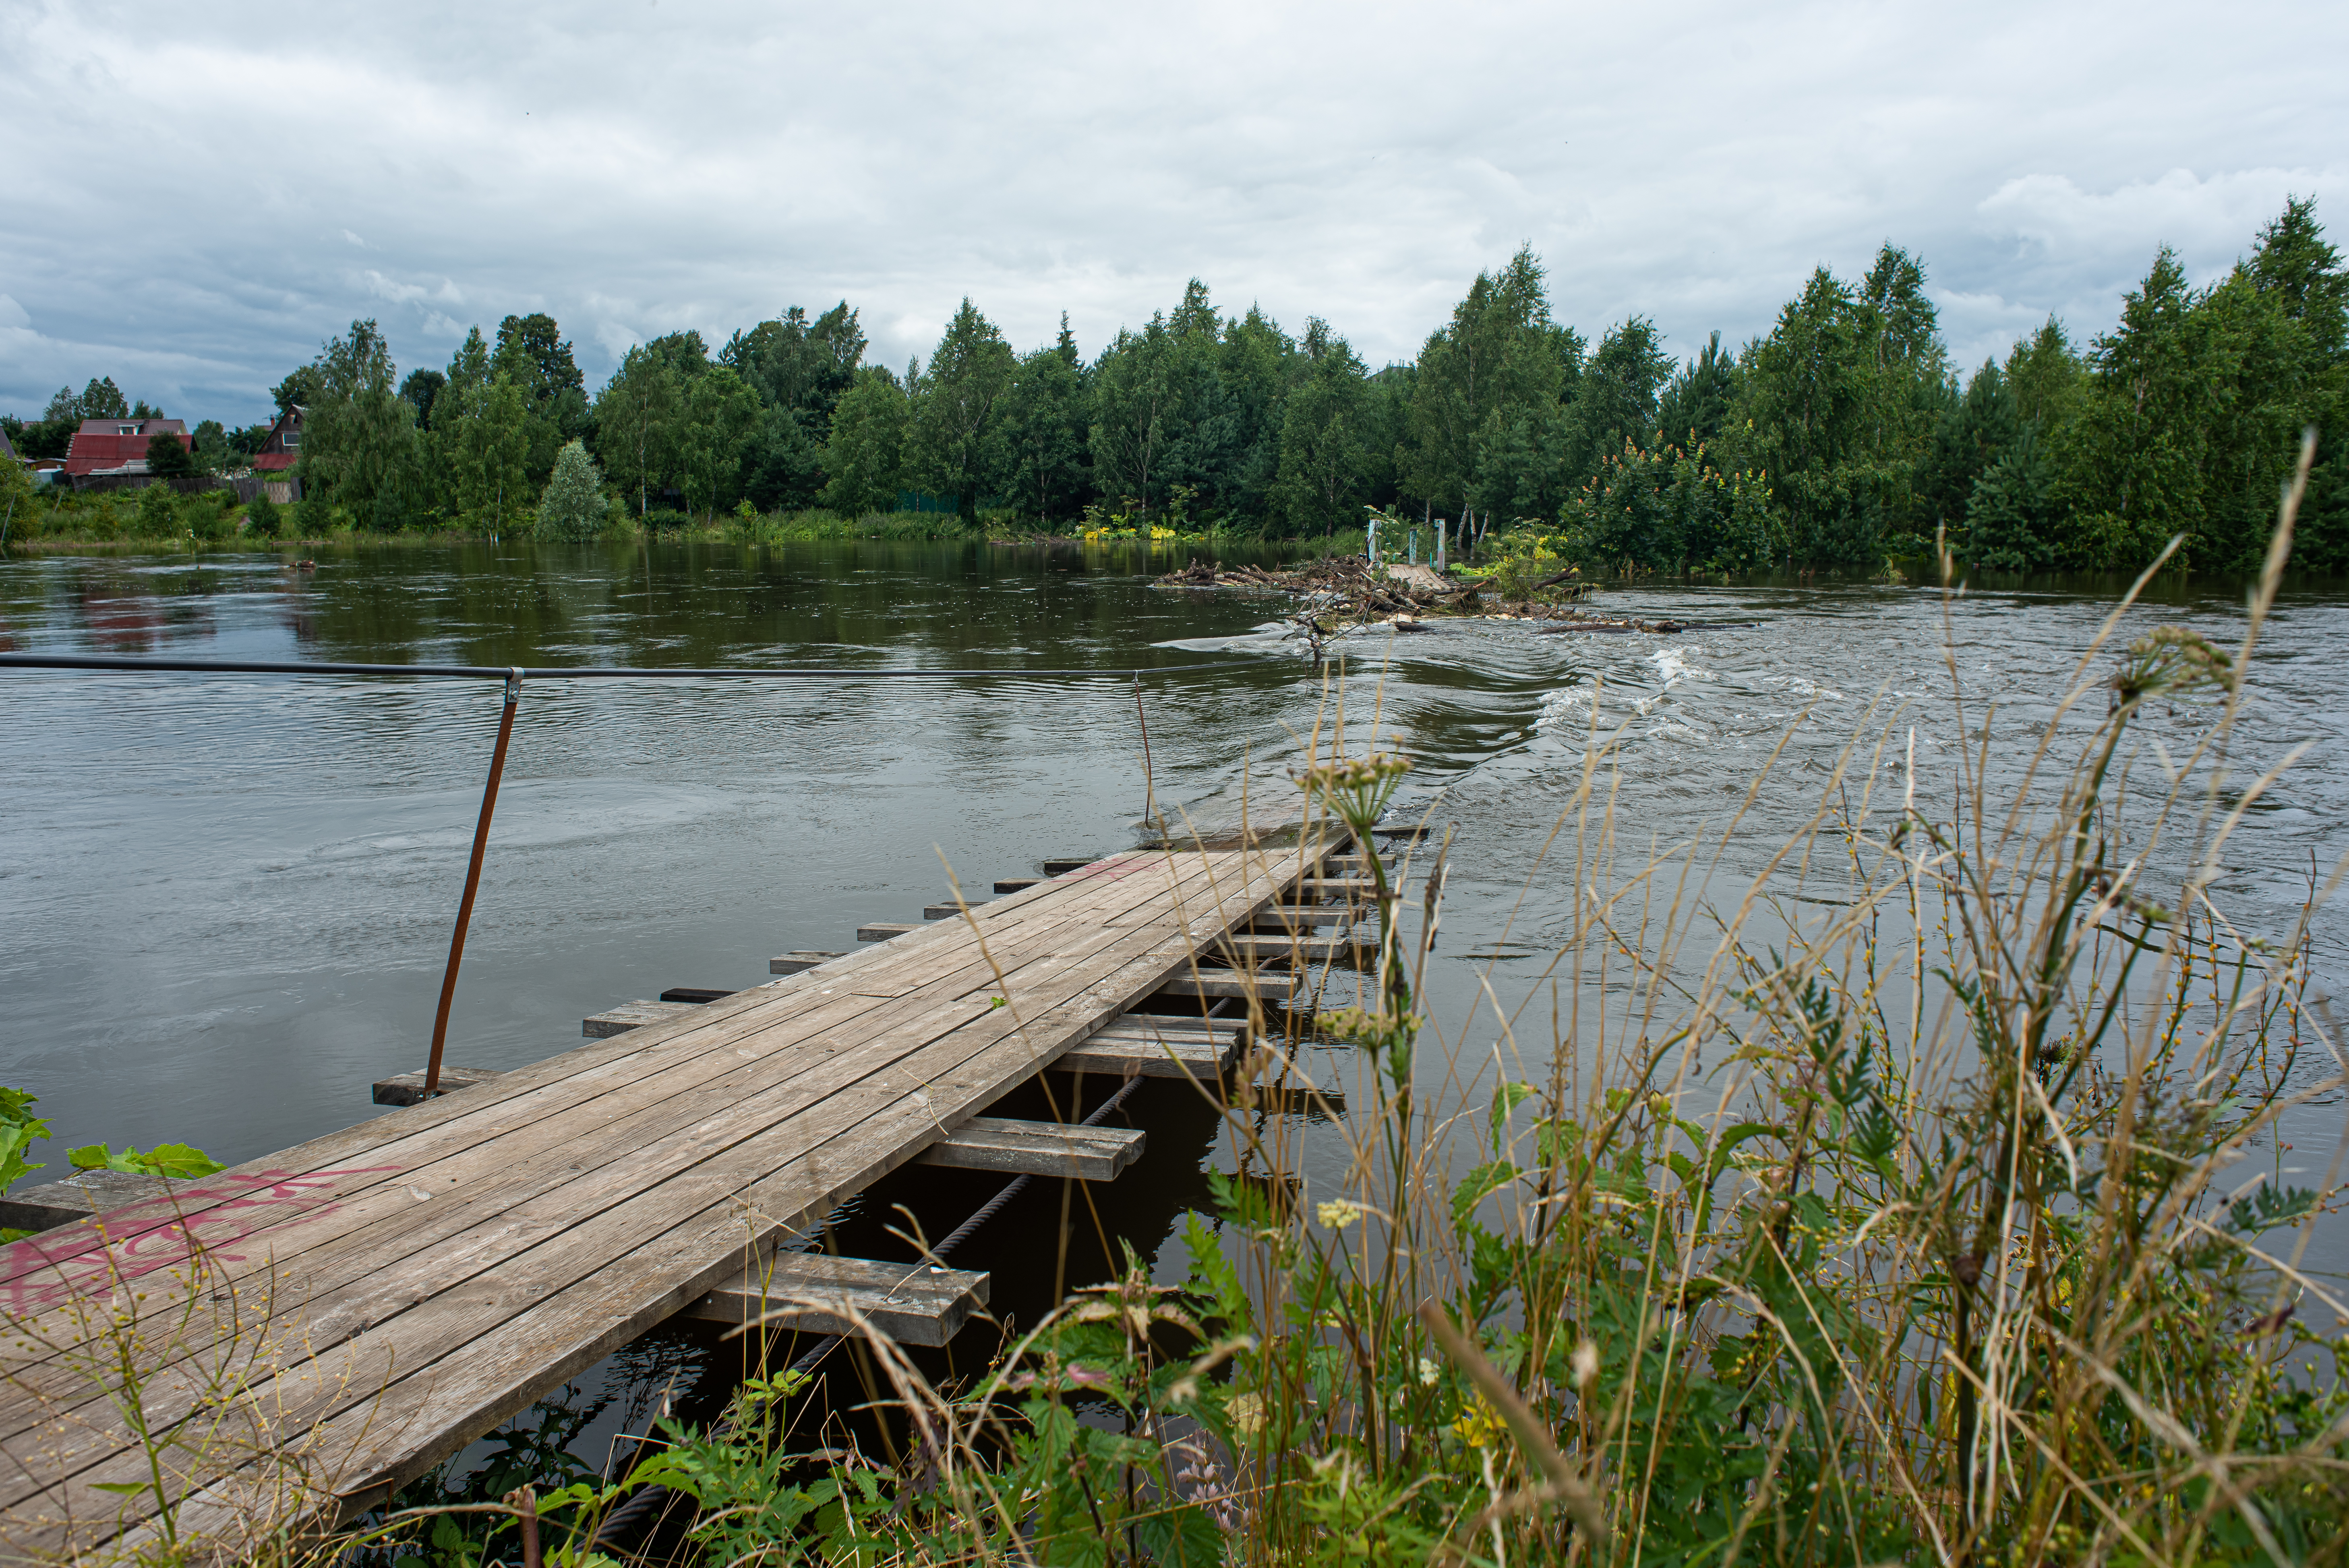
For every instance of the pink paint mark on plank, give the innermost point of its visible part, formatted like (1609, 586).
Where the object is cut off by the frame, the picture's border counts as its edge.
(210, 1215)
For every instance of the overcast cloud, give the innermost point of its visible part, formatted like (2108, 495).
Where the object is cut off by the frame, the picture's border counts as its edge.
(195, 198)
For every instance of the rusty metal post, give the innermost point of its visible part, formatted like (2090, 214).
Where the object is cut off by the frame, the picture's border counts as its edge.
(472, 882)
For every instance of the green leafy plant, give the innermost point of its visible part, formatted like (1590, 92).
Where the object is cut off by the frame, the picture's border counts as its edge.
(163, 1159)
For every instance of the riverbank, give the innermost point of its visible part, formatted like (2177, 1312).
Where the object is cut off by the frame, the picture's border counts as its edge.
(158, 519)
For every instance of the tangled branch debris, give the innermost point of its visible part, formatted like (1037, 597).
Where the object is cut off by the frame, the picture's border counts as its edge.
(1343, 592)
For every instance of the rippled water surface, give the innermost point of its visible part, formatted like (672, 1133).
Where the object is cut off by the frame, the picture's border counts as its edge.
(225, 900)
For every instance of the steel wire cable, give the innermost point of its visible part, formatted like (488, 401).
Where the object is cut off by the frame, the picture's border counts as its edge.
(124, 664)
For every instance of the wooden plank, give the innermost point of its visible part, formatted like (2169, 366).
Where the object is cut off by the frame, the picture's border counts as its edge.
(882, 931)
(1037, 1149)
(799, 963)
(1060, 868)
(812, 1293)
(1356, 951)
(1160, 1025)
(629, 1015)
(1283, 919)
(1274, 988)
(510, 1356)
(1335, 887)
(629, 1075)
(626, 1066)
(541, 1330)
(1198, 1057)
(619, 1064)
(1015, 884)
(700, 996)
(623, 1062)
(947, 910)
(407, 1088)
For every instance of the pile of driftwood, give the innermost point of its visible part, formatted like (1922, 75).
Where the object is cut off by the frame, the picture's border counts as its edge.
(1343, 589)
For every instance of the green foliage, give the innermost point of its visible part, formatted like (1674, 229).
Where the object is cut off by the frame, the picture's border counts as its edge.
(163, 1159)
(572, 505)
(722, 421)
(168, 458)
(1672, 510)
(866, 454)
(1838, 407)
(2190, 414)
(358, 438)
(1844, 421)
(262, 516)
(640, 413)
(1046, 413)
(158, 513)
(954, 445)
(483, 433)
(1323, 450)
(19, 1130)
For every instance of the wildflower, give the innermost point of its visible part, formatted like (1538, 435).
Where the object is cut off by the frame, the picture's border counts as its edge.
(1246, 1413)
(1479, 1425)
(1427, 1370)
(1337, 1213)
(1585, 1364)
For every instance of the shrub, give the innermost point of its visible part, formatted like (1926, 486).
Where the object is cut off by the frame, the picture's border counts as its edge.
(208, 513)
(262, 516)
(572, 506)
(157, 515)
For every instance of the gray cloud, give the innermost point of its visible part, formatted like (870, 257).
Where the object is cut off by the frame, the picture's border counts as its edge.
(194, 206)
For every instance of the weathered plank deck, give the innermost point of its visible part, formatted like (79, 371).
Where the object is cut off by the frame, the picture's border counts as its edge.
(395, 1290)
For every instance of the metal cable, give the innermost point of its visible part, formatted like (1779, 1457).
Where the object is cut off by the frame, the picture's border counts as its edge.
(562, 672)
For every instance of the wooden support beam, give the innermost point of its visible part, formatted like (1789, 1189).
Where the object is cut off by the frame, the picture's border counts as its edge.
(629, 1015)
(1273, 988)
(1037, 1149)
(1312, 888)
(798, 962)
(1285, 918)
(407, 1088)
(811, 1292)
(882, 931)
(1149, 1044)
(699, 995)
(1359, 951)
(1015, 884)
(1403, 831)
(946, 911)
(1061, 868)
(86, 1193)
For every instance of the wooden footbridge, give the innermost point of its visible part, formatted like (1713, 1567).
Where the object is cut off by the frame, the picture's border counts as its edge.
(290, 1341)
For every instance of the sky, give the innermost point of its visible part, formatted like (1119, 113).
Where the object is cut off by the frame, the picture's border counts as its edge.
(193, 201)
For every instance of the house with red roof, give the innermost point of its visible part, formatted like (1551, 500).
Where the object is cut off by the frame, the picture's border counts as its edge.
(113, 445)
(283, 447)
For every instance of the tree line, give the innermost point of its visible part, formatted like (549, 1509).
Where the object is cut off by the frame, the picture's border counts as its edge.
(1841, 435)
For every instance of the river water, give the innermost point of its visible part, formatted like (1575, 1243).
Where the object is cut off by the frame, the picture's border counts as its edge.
(225, 900)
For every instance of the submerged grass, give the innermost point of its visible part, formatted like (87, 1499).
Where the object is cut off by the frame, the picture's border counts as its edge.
(1927, 1223)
